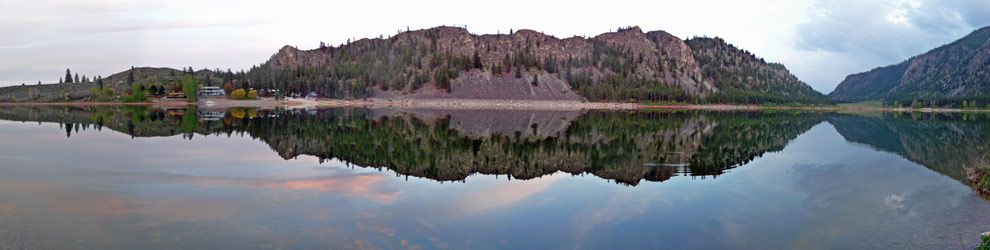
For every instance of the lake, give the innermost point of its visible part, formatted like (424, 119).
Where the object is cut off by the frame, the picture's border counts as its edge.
(135, 177)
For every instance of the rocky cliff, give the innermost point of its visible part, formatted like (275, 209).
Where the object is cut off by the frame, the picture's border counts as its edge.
(625, 65)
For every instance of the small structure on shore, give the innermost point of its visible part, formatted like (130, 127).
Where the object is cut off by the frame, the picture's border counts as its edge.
(211, 91)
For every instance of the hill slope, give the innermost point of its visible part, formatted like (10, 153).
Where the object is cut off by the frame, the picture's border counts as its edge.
(744, 78)
(448, 62)
(958, 69)
(628, 65)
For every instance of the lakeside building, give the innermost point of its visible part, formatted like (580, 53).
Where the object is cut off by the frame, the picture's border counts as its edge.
(211, 91)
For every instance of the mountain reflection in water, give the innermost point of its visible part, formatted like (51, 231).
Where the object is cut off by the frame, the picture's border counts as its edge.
(450, 145)
(199, 178)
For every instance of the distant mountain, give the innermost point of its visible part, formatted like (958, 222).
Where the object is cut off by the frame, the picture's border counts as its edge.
(450, 62)
(958, 69)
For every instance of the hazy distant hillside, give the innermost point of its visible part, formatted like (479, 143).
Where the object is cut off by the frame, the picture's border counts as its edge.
(959, 69)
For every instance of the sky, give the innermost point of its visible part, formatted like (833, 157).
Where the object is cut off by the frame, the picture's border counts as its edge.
(820, 41)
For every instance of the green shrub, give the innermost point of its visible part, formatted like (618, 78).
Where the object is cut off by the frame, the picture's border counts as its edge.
(108, 94)
(137, 94)
(189, 87)
(238, 94)
(984, 242)
(984, 181)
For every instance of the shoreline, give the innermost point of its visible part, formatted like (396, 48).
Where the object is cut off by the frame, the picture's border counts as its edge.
(466, 104)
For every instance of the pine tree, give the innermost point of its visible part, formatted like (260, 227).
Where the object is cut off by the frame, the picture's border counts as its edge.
(130, 75)
(68, 76)
(477, 61)
(77, 78)
(60, 80)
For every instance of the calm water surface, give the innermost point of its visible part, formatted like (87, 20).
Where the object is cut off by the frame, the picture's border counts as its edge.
(146, 178)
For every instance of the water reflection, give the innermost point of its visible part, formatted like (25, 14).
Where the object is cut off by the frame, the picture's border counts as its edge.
(627, 146)
(762, 180)
(946, 143)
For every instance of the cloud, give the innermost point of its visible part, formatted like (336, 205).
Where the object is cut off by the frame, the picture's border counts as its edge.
(864, 34)
(500, 196)
(158, 25)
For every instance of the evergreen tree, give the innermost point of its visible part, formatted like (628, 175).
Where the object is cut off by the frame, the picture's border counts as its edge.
(477, 60)
(68, 76)
(130, 75)
(60, 80)
(77, 78)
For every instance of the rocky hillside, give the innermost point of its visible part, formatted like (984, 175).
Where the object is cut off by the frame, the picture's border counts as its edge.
(958, 69)
(744, 78)
(627, 65)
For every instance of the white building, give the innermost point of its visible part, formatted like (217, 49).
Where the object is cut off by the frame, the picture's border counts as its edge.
(211, 91)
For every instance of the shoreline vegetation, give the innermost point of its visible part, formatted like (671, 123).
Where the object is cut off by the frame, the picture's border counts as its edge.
(979, 177)
(294, 103)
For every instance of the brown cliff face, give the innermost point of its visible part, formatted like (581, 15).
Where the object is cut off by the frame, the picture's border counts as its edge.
(628, 60)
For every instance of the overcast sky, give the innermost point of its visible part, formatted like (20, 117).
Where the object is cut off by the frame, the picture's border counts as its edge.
(820, 41)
